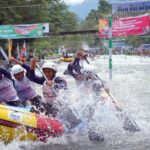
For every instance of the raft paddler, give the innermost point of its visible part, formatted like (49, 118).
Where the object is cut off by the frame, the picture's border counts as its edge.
(51, 86)
(23, 85)
(74, 68)
(8, 94)
(81, 74)
(92, 81)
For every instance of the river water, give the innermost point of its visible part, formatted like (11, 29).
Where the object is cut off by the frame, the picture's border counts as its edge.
(130, 85)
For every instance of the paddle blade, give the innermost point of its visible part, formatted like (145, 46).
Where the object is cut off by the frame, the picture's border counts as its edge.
(129, 124)
(96, 137)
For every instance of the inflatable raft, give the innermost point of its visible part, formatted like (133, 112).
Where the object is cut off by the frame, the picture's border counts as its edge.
(69, 59)
(17, 123)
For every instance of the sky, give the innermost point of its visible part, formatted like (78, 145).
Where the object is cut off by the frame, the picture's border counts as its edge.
(81, 7)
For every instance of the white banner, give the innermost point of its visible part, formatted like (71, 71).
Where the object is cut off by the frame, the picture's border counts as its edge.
(130, 7)
(126, 1)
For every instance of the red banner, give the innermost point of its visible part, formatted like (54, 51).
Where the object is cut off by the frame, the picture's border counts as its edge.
(125, 26)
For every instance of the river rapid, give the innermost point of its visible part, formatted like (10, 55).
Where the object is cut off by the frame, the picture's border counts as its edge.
(130, 85)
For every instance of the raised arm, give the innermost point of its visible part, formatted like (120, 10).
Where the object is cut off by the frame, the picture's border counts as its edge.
(6, 73)
(74, 67)
(25, 66)
(33, 76)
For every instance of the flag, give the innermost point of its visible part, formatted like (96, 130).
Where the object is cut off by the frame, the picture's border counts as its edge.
(9, 47)
(23, 50)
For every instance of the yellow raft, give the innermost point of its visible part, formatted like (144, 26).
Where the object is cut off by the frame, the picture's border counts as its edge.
(17, 123)
(68, 59)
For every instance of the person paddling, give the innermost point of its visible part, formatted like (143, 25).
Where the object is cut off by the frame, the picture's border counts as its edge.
(51, 86)
(23, 85)
(86, 82)
(81, 74)
(92, 81)
(8, 95)
(74, 68)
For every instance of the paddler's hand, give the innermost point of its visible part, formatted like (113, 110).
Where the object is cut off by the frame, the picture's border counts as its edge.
(84, 56)
(81, 54)
(107, 90)
(79, 77)
(14, 60)
(33, 63)
(50, 83)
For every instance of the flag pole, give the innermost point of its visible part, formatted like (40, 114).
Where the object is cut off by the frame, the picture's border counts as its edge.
(18, 51)
(9, 47)
(110, 45)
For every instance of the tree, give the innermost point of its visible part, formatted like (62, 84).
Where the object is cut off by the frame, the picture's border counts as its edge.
(54, 12)
(104, 9)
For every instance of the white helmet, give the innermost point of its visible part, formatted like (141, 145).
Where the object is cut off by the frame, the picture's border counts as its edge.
(89, 71)
(16, 69)
(50, 65)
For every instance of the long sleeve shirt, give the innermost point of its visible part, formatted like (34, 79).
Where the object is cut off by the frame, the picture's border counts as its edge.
(74, 67)
(59, 81)
(6, 73)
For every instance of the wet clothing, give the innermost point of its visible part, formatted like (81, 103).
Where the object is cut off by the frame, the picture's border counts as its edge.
(7, 91)
(49, 93)
(74, 67)
(24, 89)
(94, 85)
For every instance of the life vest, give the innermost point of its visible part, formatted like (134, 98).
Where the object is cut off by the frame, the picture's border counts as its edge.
(24, 89)
(50, 93)
(7, 91)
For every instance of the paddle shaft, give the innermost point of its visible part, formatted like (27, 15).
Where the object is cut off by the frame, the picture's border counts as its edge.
(41, 72)
(45, 77)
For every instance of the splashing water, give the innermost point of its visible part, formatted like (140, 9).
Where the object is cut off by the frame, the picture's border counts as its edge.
(130, 85)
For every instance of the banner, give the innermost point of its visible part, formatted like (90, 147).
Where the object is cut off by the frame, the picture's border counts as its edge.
(125, 26)
(22, 31)
(130, 7)
(125, 1)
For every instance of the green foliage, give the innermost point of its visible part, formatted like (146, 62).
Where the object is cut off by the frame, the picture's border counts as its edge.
(54, 12)
(91, 21)
(104, 9)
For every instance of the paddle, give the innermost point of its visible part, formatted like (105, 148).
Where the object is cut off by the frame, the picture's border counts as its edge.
(5, 57)
(128, 122)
